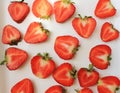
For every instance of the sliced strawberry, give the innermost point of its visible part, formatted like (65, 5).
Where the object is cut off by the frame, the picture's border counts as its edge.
(65, 74)
(42, 9)
(108, 84)
(84, 26)
(63, 10)
(11, 35)
(23, 86)
(66, 46)
(100, 56)
(108, 32)
(104, 9)
(42, 65)
(87, 77)
(14, 58)
(36, 33)
(55, 89)
(84, 90)
(18, 10)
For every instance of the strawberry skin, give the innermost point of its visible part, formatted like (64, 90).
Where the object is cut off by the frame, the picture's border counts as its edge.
(66, 46)
(65, 74)
(87, 77)
(105, 9)
(84, 26)
(108, 84)
(55, 89)
(14, 58)
(23, 86)
(100, 56)
(42, 65)
(63, 10)
(18, 10)
(36, 33)
(108, 32)
(11, 35)
(42, 9)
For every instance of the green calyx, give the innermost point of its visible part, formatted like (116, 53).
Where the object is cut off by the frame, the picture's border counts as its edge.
(45, 56)
(73, 72)
(66, 1)
(75, 49)
(4, 61)
(84, 18)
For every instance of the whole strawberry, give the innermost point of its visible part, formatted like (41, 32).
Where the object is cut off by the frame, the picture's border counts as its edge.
(36, 33)
(63, 10)
(56, 89)
(14, 58)
(84, 90)
(11, 35)
(42, 9)
(42, 65)
(65, 74)
(84, 26)
(23, 86)
(108, 32)
(18, 10)
(108, 84)
(100, 56)
(66, 46)
(87, 76)
(104, 9)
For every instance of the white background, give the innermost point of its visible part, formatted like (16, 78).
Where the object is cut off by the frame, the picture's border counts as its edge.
(83, 7)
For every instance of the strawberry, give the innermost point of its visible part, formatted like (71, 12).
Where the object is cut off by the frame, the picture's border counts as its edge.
(23, 86)
(63, 10)
(11, 35)
(100, 56)
(104, 9)
(108, 32)
(42, 9)
(84, 90)
(55, 89)
(66, 46)
(18, 10)
(14, 58)
(42, 65)
(36, 33)
(84, 26)
(65, 74)
(87, 77)
(108, 84)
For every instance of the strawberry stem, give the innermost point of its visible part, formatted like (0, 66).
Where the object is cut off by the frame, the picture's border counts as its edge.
(3, 62)
(90, 67)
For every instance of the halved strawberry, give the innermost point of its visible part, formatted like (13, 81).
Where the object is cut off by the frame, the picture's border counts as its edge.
(100, 56)
(84, 26)
(84, 90)
(108, 84)
(65, 74)
(108, 32)
(104, 9)
(42, 9)
(14, 58)
(66, 46)
(87, 76)
(42, 65)
(11, 35)
(55, 89)
(36, 33)
(23, 86)
(18, 10)
(63, 10)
